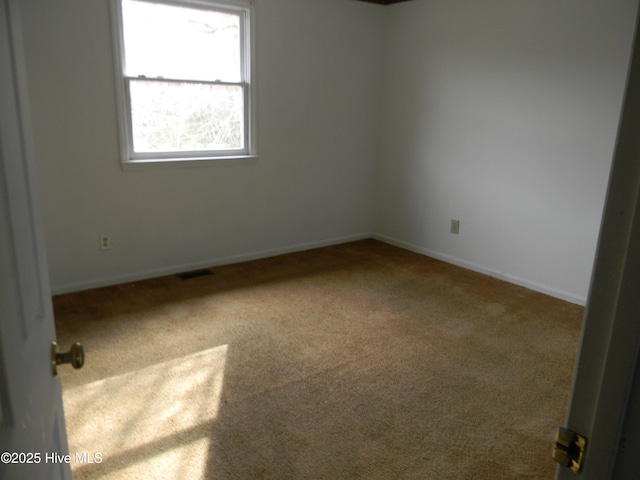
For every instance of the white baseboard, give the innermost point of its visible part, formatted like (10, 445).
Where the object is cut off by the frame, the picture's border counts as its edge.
(212, 262)
(551, 291)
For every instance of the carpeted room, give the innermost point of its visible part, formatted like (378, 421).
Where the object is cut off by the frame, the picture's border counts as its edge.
(360, 360)
(436, 158)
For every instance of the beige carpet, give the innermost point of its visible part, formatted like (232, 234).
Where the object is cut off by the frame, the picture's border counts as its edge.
(355, 361)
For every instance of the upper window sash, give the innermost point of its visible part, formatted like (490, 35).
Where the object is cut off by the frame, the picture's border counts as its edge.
(173, 38)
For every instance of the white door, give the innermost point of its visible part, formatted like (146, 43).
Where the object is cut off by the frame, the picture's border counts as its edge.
(32, 426)
(599, 407)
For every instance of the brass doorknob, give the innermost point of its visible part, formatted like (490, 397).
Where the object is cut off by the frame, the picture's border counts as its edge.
(75, 356)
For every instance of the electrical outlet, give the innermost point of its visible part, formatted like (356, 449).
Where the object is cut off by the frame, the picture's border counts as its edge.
(105, 242)
(455, 227)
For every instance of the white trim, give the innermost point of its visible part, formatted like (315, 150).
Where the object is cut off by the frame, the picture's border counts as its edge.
(244, 257)
(245, 9)
(603, 403)
(118, 71)
(251, 75)
(213, 262)
(221, 4)
(145, 164)
(531, 285)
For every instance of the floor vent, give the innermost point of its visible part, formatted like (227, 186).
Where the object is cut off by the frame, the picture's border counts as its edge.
(194, 274)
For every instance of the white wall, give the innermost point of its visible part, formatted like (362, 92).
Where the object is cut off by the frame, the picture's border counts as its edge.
(500, 113)
(319, 84)
(503, 114)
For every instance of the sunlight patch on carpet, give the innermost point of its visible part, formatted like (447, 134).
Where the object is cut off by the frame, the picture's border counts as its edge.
(153, 422)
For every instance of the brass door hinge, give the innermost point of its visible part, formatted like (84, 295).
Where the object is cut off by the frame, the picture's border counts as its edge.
(568, 449)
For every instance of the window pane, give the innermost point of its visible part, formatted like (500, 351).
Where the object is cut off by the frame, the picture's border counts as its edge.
(173, 116)
(180, 42)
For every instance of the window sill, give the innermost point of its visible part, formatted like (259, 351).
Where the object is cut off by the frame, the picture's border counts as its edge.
(145, 164)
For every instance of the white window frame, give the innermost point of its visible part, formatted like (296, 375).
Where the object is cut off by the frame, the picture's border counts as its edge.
(128, 157)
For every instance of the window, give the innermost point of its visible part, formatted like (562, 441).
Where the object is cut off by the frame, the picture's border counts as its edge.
(184, 79)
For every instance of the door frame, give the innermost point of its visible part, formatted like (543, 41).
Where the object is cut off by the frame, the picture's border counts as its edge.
(610, 340)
